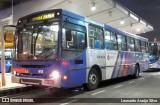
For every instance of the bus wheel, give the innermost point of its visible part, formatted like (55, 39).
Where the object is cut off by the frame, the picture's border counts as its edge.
(93, 80)
(137, 70)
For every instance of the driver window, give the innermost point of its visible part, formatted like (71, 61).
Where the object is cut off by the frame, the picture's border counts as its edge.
(77, 41)
(73, 47)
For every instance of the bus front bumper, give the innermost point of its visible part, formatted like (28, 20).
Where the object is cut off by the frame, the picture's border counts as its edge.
(37, 81)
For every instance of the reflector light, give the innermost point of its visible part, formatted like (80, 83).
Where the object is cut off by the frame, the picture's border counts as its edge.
(46, 82)
(65, 63)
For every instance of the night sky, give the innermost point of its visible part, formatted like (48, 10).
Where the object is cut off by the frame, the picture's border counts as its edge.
(148, 10)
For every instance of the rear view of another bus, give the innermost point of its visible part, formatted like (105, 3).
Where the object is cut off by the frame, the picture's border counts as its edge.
(154, 60)
(8, 60)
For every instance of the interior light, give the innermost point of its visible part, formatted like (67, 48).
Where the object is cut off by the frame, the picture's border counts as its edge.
(122, 22)
(138, 29)
(54, 28)
(93, 8)
(25, 52)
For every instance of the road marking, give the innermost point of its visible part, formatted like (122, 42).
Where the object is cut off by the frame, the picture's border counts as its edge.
(141, 78)
(118, 86)
(132, 82)
(3, 97)
(98, 92)
(69, 102)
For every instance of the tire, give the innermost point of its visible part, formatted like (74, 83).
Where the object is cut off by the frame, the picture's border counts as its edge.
(137, 70)
(93, 80)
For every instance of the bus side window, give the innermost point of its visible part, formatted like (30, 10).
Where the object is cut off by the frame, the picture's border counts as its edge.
(130, 44)
(122, 42)
(143, 46)
(113, 42)
(95, 37)
(137, 45)
(107, 39)
(146, 47)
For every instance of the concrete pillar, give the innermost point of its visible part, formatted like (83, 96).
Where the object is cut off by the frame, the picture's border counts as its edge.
(2, 54)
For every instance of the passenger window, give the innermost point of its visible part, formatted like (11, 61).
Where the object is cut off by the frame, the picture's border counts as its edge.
(147, 50)
(137, 45)
(130, 44)
(122, 42)
(114, 45)
(95, 37)
(143, 46)
(107, 39)
(110, 40)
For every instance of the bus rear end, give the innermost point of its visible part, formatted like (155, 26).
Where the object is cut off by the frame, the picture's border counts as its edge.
(154, 51)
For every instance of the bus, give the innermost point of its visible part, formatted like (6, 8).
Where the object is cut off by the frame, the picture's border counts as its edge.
(61, 49)
(154, 56)
(8, 60)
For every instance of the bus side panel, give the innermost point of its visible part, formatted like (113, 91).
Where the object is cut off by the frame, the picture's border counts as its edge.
(144, 62)
(76, 71)
(123, 58)
(112, 59)
(124, 64)
(97, 57)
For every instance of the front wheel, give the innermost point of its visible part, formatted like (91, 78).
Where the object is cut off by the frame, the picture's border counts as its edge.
(137, 70)
(93, 80)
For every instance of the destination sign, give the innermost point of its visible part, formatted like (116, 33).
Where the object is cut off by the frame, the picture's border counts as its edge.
(43, 17)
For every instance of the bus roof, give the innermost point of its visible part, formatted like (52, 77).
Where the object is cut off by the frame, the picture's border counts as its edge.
(65, 12)
(82, 18)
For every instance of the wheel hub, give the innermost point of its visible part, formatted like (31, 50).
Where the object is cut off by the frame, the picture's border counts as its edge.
(93, 79)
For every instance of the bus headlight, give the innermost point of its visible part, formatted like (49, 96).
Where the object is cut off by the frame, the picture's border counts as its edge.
(55, 74)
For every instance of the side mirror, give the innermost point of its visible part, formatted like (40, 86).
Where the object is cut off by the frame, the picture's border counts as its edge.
(68, 35)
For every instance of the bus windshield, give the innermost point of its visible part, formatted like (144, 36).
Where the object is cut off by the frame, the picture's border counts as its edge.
(38, 42)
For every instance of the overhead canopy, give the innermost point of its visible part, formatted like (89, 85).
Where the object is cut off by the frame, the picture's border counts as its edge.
(108, 12)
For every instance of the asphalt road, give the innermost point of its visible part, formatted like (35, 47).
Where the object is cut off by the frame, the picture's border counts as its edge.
(146, 86)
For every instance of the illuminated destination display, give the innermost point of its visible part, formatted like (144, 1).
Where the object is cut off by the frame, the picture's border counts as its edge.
(43, 17)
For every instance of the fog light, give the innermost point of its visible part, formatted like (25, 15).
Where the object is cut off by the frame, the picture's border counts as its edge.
(55, 74)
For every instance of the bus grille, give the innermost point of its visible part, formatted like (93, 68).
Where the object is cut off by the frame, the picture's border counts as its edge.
(33, 66)
(30, 81)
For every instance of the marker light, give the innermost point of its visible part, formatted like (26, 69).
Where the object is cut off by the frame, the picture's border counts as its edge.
(14, 72)
(55, 74)
(65, 77)
(122, 22)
